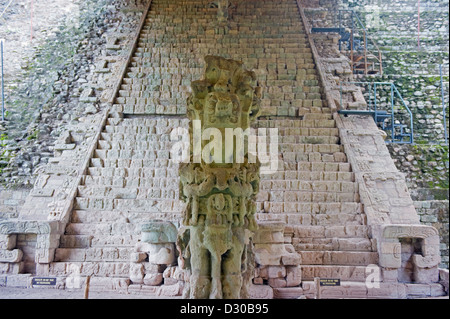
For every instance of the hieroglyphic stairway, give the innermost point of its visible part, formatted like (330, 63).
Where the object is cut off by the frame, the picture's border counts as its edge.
(89, 215)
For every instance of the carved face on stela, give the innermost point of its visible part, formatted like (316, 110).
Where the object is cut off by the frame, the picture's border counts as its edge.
(226, 98)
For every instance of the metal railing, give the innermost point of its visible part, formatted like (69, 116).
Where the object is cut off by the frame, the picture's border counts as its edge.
(372, 62)
(388, 108)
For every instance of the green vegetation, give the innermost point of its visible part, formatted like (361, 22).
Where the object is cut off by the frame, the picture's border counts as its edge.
(4, 154)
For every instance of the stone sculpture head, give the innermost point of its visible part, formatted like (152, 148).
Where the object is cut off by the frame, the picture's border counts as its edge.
(226, 97)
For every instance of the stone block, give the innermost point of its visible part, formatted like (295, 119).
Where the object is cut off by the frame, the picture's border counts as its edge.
(19, 281)
(163, 254)
(277, 282)
(8, 242)
(287, 293)
(260, 292)
(310, 232)
(137, 273)
(269, 254)
(263, 236)
(346, 290)
(291, 259)
(171, 290)
(389, 274)
(386, 290)
(293, 276)
(154, 279)
(276, 272)
(426, 275)
(137, 257)
(10, 256)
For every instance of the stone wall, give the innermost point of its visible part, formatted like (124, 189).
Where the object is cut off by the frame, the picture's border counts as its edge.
(393, 25)
(411, 60)
(55, 88)
(426, 168)
(11, 201)
(435, 213)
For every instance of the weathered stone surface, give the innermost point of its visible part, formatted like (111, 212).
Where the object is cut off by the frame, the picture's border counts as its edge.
(10, 256)
(137, 273)
(153, 279)
(219, 196)
(157, 232)
(260, 292)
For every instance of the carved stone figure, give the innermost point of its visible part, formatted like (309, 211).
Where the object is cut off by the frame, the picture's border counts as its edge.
(219, 215)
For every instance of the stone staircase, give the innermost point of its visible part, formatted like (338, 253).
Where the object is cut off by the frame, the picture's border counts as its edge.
(132, 179)
(179, 34)
(317, 197)
(117, 170)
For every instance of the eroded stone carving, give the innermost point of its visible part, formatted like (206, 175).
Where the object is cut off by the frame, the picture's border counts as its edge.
(10, 256)
(158, 246)
(220, 196)
(395, 239)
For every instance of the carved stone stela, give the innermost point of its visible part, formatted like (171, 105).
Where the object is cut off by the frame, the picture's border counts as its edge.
(219, 217)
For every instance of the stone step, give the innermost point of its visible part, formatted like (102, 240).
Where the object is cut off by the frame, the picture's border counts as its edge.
(344, 258)
(258, 46)
(289, 192)
(151, 121)
(97, 241)
(270, 80)
(294, 218)
(140, 193)
(103, 229)
(288, 187)
(275, 82)
(119, 269)
(262, 40)
(156, 209)
(303, 152)
(290, 177)
(159, 173)
(344, 273)
(148, 181)
(305, 148)
(323, 167)
(194, 28)
(114, 154)
(337, 231)
(115, 142)
(308, 108)
(297, 157)
(148, 45)
(106, 254)
(163, 167)
(85, 216)
(182, 91)
(320, 208)
(293, 132)
(276, 202)
(307, 120)
(335, 244)
(324, 115)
